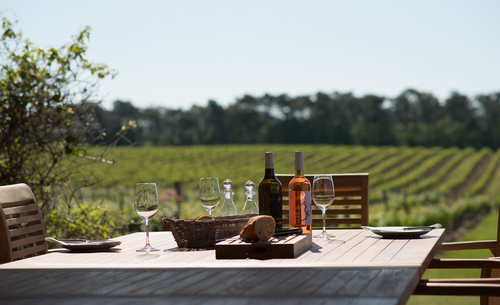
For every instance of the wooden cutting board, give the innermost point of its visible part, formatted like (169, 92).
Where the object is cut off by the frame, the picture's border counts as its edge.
(289, 246)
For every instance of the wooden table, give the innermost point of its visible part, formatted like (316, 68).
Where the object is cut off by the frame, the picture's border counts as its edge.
(357, 267)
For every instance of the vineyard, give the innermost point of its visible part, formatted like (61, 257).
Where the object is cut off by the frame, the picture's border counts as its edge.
(407, 185)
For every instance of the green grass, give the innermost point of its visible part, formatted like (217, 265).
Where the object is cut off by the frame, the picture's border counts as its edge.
(394, 171)
(187, 164)
(486, 229)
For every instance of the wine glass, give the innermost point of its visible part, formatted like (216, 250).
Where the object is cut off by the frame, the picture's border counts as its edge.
(146, 205)
(323, 194)
(209, 193)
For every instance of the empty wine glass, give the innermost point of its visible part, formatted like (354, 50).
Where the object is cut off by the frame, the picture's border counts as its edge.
(146, 205)
(209, 193)
(323, 194)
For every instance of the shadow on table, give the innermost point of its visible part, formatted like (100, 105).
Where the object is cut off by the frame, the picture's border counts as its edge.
(146, 256)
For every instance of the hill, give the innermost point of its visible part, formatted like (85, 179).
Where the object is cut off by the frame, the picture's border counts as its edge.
(407, 185)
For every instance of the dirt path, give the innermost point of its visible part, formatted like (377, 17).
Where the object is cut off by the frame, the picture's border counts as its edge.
(461, 229)
(437, 167)
(473, 177)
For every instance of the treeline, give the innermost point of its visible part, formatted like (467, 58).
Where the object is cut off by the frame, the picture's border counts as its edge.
(413, 119)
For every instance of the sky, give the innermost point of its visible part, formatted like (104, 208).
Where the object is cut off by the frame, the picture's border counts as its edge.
(177, 54)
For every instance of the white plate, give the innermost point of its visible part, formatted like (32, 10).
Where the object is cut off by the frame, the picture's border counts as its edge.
(400, 232)
(81, 245)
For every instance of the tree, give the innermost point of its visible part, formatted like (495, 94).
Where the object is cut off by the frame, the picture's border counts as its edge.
(490, 123)
(47, 118)
(111, 122)
(246, 121)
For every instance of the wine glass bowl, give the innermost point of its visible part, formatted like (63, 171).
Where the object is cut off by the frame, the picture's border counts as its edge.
(323, 195)
(146, 206)
(209, 193)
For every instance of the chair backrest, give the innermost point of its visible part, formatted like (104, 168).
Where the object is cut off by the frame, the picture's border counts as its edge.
(496, 251)
(350, 208)
(22, 232)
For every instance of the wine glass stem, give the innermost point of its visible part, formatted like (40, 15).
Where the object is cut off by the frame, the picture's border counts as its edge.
(147, 233)
(323, 212)
(210, 213)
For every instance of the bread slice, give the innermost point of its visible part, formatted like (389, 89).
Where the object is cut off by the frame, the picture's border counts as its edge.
(258, 228)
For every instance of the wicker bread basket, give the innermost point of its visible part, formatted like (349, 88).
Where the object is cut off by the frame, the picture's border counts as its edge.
(204, 234)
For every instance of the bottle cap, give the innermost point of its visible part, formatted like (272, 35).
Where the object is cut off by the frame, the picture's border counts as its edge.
(249, 185)
(269, 157)
(228, 184)
(299, 160)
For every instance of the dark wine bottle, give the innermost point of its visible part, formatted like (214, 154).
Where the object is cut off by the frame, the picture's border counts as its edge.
(270, 196)
(299, 197)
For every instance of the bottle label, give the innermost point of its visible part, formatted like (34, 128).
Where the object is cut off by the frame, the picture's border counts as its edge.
(302, 200)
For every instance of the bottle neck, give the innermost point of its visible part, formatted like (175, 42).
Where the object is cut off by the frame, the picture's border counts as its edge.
(299, 172)
(269, 172)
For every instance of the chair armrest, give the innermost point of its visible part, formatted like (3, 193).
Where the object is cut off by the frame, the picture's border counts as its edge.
(464, 264)
(468, 245)
(464, 280)
(482, 287)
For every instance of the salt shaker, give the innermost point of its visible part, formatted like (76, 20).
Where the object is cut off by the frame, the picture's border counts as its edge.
(250, 206)
(228, 207)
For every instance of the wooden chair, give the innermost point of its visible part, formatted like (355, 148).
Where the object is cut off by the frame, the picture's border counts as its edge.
(486, 287)
(22, 232)
(350, 208)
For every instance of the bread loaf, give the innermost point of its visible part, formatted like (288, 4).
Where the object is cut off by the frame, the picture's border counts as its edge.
(203, 217)
(258, 228)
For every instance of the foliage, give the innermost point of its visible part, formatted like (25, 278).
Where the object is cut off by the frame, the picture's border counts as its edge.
(486, 177)
(463, 171)
(47, 118)
(403, 164)
(187, 164)
(443, 201)
(411, 119)
(89, 221)
(400, 210)
(421, 183)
